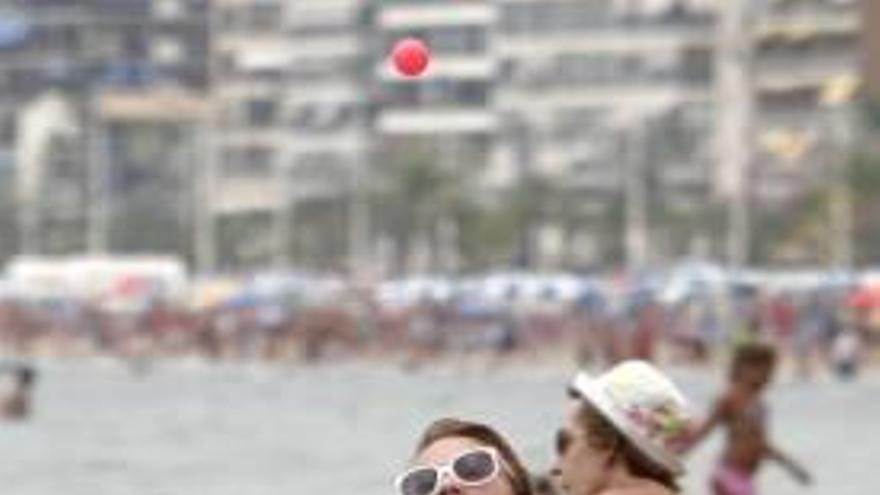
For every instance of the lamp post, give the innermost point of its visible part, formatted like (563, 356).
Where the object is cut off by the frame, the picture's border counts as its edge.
(636, 231)
(206, 175)
(836, 95)
(735, 128)
(359, 209)
(98, 180)
(635, 127)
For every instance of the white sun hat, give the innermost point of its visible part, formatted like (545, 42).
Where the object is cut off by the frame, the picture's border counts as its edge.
(644, 405)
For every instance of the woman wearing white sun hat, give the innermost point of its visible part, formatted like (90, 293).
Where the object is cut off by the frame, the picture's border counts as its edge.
(623, 434)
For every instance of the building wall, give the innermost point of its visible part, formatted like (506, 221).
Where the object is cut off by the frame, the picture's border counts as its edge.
(576, 92)
(565, 89)
(80, 50)
(871, 46)
(454, 102)
(800, 47)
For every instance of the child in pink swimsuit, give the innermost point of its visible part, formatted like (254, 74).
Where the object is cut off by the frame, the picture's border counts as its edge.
(741, 412)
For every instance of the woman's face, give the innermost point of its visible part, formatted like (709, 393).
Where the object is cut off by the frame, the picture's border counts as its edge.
(446, 450)
(580, 468)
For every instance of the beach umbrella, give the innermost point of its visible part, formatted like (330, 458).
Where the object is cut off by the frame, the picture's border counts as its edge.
(864, 297)
(209, 294)
(243, 300)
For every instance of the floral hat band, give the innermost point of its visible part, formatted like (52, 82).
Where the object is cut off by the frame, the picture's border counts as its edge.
(645, 406)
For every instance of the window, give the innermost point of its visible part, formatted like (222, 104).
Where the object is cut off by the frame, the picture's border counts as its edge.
(263, 16)
(169, 9)
(576, 68)
(251, 161)
(447, 39)
(128, 8)
(402, 94)
(439, 92)
(554, 16)
(8, 127)
(471, 93)
(167, 50)
(316, 68)
(261, 113)
(470, 39)
(301, 117)
(697, 66)
(323, 166)
(47, 3)
(324, 116)
(229, 18)
(574, 122)
(266, 16)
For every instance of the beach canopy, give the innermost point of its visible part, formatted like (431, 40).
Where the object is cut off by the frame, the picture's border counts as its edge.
(866, 297)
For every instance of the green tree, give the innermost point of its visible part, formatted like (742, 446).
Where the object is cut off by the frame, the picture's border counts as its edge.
(807, 221)
(8, 221)
(412, 193)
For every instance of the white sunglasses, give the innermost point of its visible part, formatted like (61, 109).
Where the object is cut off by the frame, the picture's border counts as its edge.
(472, 468)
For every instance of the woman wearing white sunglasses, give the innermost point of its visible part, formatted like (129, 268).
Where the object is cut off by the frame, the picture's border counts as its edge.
(461, 457)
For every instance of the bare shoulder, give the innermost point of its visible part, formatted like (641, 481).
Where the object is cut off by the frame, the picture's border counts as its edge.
(648, 488)
(726, 405)
(639, 491)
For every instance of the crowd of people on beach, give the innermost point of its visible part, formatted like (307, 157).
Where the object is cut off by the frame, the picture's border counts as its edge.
(811, 329)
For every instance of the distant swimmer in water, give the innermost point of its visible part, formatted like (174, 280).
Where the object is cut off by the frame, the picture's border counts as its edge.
(16, 405)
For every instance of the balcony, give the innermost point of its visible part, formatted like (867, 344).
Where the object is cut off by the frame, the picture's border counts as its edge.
(325, 13)
(633, 93)
(806, 23)
(595, 179)
(252, 43)
(438, 120)
(448, 67)
(351, 142)
(274, 59)
(341, 45)
(777, 74)
(274, 138)
(683, 176)
(332, 92)
(409, 15)
(241, 195)
(611, 40)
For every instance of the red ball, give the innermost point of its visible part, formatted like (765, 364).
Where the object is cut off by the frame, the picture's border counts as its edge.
(411, 56)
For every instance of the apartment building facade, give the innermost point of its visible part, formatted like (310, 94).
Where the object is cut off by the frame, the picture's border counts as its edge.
(63, 57)
(800, 48)
(607, 100)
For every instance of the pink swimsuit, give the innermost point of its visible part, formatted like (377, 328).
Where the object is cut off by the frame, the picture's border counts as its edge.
(731, 480)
